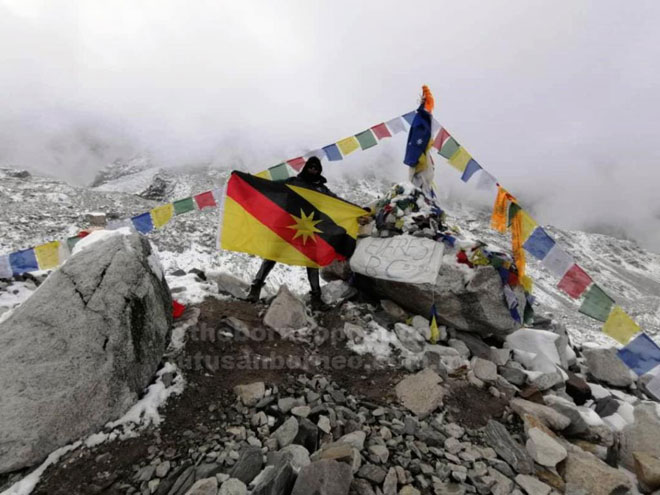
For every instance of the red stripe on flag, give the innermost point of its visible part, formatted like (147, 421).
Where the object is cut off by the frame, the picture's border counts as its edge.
(440, 139)
(381, 131)
(205, 199)
(297, 163)
(278, 220)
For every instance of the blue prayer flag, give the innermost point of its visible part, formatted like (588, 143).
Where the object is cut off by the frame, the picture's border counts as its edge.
(409, 117)
(23, 261)
(332, 152)
(640, 354)
(471, 168)
(539, 243)
(143, 223)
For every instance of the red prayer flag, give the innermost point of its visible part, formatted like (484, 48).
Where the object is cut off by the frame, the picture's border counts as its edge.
(177, 309)
(205, 199)
(575, 282)
(297, 163)
(440, 139)
(381, 131)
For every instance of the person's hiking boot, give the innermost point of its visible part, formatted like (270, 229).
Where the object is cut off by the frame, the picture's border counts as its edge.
(254, 293)
(317, 303)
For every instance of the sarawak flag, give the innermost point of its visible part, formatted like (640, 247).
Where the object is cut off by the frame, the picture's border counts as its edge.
(286, 223)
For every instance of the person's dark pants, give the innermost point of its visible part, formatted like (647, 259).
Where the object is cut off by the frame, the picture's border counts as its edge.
(267, 266)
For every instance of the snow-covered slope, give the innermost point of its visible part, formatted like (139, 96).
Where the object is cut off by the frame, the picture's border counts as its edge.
(37, 209)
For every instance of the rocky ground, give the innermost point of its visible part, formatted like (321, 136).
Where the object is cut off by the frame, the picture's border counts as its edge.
(267, 410)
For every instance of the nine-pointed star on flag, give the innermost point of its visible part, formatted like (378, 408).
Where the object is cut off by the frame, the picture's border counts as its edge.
(305, 226)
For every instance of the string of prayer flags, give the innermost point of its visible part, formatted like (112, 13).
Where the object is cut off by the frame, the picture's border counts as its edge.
(395, 125)
(183, 206)
(539, 243)
(23, 261)
(48, 255)
(596, 303)
(161, 215)
(460, 159)
(575, 281)
(620, 326)
(348, 145)
(296, 163)
(409, 117)
(381, 131)
(5, 267)
(641, 354)
(332, 152)
(366, 139)
(143, 223)
(472, 168)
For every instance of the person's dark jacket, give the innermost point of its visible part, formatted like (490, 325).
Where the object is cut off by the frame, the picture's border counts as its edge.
(305, 179)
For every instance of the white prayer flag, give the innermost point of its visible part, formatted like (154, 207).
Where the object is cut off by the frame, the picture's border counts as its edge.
(558, 261)
(396, 125)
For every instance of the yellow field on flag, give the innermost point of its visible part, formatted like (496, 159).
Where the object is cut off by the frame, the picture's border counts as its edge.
(620, 326)
(460, 159)
(265, 174)
(348, 145)
(528, 225)
(342, 213)
(240, 229)
(48, 255)
(162, 214)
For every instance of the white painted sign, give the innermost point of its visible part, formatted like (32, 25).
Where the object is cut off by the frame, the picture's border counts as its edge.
(402, 258)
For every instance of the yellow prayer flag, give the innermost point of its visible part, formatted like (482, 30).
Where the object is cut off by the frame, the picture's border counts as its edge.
(435, 331)
(528, 225)
(48, 255)
(264, 175)
(162, 214)
(460, 159)
(620, 326)
(348, 145)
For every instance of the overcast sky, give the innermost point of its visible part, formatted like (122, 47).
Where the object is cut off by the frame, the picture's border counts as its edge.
(558, 100)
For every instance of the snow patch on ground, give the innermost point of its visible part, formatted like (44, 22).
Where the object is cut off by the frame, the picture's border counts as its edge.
(27, 484)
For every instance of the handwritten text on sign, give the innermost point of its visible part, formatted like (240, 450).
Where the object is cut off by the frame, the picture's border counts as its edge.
(402, 258)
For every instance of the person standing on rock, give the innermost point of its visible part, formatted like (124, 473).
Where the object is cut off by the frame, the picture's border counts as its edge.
(309, 177)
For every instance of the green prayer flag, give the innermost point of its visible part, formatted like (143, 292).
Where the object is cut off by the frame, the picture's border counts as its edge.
(183, 206)
(72, 241)
(596, 304)
(366, 139)
(279, 172)
(449, 148)
(513, 209)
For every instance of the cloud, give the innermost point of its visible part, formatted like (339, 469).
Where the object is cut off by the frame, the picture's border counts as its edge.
(561, 104)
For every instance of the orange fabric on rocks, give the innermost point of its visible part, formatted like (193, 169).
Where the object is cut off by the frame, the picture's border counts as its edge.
(499, 219)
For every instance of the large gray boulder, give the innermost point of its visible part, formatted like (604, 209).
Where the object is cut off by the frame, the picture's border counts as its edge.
(478, 306)
(78, 352)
